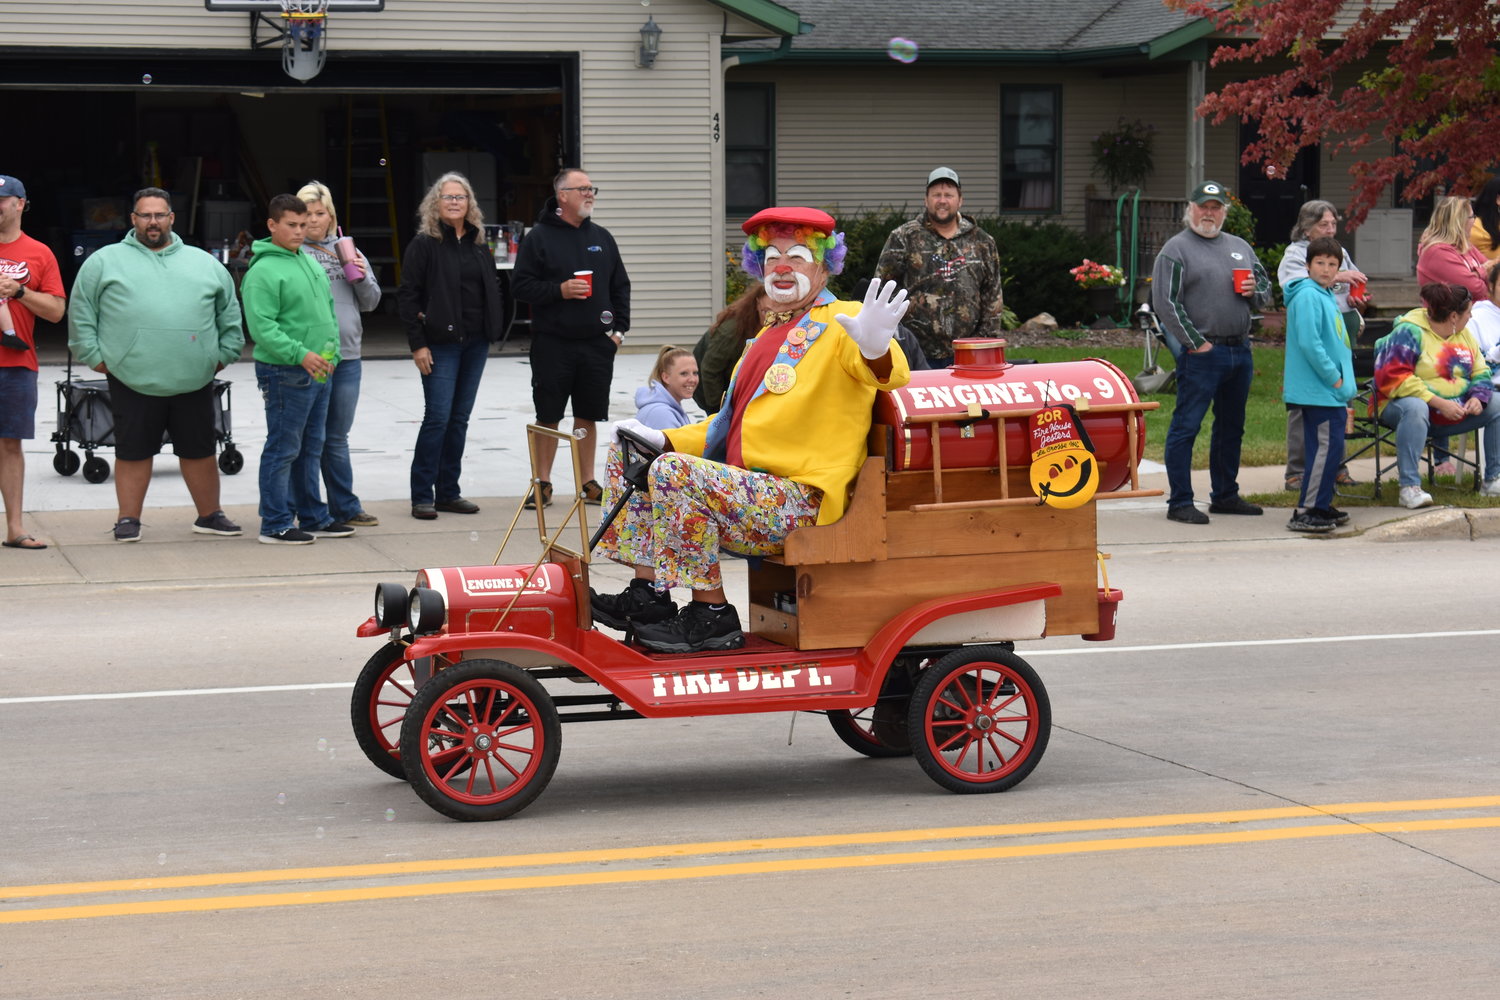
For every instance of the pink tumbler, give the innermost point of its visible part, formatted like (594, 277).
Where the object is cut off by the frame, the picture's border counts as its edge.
(349, 257)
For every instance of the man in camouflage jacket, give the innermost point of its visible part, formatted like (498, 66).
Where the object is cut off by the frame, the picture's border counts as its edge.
(950, 269)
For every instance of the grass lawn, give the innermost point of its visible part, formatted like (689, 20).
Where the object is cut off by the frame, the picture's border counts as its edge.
(1265, 425)
(1265, 414)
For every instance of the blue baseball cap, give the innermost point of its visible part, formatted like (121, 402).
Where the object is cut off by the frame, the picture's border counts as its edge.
(11, 188)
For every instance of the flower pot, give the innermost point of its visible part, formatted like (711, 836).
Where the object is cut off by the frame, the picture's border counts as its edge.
(1103, 299)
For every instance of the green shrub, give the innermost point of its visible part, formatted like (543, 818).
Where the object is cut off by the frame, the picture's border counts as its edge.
(1035, 259)
(1270, 259)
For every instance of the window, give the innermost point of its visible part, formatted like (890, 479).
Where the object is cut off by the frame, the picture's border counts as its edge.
(1028, 149)
(749, 146)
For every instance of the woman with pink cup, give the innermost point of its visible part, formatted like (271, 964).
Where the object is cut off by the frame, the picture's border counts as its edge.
(356, 289)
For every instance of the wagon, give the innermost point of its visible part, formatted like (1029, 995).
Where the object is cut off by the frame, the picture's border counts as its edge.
(898, 622)
(84, 418)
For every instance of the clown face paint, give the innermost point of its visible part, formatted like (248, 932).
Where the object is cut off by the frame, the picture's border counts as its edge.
(790, 271)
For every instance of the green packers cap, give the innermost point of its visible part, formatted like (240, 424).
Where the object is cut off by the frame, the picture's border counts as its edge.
(1209, 191)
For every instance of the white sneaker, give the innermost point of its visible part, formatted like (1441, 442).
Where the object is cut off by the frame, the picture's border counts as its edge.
(1413, 497)
(1491, 488)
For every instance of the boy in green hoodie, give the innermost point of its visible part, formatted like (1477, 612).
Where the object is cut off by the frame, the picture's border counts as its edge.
(289, 312)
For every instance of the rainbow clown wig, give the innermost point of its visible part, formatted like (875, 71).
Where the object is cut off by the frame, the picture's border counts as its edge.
(808, 226)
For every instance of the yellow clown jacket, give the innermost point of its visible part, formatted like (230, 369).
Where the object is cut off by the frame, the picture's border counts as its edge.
(815, 433)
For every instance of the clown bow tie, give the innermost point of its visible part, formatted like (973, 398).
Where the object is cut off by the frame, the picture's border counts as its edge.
(778, 318)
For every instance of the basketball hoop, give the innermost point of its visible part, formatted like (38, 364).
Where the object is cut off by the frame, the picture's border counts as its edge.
(304, 46)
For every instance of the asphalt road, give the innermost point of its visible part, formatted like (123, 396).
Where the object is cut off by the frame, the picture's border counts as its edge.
(1279, 780)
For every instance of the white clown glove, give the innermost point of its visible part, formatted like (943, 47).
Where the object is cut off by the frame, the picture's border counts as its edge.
(650, 435)
(876, 323)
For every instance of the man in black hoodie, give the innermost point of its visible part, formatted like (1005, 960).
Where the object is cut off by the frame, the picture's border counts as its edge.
(569, 270)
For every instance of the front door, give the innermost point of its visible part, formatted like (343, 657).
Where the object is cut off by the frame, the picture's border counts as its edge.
(1274, 201)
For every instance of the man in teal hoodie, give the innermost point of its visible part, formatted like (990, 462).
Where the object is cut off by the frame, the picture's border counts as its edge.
(289, 310)
(159, 318)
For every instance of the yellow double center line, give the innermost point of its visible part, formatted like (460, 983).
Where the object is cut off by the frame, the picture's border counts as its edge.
(1338, 819)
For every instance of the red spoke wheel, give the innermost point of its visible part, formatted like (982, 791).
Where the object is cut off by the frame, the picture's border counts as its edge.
(382, 692)
(979, 720)
(480, 740)
(875, 732)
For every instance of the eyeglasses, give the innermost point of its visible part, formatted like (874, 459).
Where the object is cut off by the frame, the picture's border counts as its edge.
(453, 197)
(152, 216)
(582, 189)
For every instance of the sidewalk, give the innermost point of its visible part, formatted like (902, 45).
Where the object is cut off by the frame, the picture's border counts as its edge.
(77, 516)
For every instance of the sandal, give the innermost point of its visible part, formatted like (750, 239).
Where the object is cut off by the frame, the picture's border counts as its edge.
(546, 493)
(592, 493)
(23, 542)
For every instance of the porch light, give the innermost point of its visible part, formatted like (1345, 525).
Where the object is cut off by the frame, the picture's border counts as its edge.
(650, 43)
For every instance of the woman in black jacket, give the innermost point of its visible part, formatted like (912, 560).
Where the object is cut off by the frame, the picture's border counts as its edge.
(451, 306)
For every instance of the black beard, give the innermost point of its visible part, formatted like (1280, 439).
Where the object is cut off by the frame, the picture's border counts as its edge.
(160, 240)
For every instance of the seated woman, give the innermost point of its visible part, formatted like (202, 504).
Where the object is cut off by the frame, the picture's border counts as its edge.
(719, 350)
(1430, 376)
(781, 454)
(658, 403)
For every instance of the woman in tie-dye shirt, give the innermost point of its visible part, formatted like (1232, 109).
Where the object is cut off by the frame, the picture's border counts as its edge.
(1430, 375)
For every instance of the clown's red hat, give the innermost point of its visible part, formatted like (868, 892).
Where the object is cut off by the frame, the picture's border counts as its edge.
(813, 218)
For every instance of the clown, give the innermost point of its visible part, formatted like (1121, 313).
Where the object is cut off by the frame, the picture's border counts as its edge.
(781, 454)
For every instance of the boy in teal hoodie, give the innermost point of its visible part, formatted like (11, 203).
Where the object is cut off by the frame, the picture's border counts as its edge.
(1319, 377)
(289, 312)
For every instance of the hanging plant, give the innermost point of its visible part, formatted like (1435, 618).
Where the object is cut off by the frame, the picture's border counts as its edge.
(1122, 155)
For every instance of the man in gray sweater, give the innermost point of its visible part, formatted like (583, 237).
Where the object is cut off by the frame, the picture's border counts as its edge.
(1203, 288)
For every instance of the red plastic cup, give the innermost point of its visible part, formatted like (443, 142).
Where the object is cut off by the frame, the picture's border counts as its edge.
(1357, 291)
(1241, 274)
(586, 276)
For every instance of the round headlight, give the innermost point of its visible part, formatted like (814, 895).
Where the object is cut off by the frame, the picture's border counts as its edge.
(426, 611)
(390, 605)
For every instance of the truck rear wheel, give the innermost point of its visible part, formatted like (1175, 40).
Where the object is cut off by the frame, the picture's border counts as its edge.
(979, 720)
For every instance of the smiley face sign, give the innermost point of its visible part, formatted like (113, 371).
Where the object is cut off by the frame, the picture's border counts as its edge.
(1064, 472)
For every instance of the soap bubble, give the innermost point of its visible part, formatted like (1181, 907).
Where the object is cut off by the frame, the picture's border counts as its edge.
(77, 251)
(146, 78)
(580, 433)
(281, 798)
(318, 833)
(161, 859)
(606, 317)
(390, 815)
(382, 161)
(322, 746)
(473, 536)
(903, 50)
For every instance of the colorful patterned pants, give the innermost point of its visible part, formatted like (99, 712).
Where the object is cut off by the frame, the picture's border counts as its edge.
(693, 508)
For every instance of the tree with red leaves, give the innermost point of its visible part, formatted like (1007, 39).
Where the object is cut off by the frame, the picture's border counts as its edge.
(1431, 88)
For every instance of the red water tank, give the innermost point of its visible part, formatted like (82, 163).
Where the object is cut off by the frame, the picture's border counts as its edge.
(982, 383)
(476, 597)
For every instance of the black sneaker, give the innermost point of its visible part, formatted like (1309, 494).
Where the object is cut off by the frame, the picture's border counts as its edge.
(637, 604)
(1333, 514)
(697, 627)
(1233, 505)
(333, 529)
(1187, 514)
(291, 536)
(128, 529)
(215, 524)
(1310, 521)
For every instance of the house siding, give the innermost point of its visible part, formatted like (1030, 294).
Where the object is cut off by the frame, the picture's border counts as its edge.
(646, 136)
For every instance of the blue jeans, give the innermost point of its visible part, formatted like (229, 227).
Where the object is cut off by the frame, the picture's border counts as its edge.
(448, 392)
(1220, 377)
(296, 419)
(338, 473)
(1412, 419)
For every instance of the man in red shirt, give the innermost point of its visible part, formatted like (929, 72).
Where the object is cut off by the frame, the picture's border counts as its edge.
(32, 286)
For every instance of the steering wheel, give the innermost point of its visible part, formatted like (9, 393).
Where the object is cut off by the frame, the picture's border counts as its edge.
(637, 455)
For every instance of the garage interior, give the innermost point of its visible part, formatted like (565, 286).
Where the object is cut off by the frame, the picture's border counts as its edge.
(224, 135)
